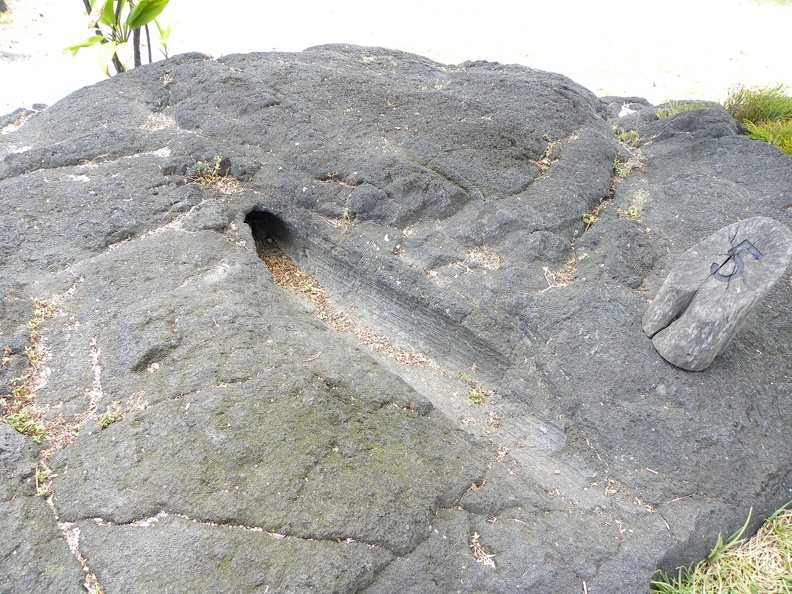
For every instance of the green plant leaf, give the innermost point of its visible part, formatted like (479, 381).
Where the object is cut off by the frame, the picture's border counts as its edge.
(144, 12)
(87, 43)
(164, 32)
(108, 15)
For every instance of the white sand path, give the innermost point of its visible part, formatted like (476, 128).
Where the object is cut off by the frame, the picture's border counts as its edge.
(674, 49)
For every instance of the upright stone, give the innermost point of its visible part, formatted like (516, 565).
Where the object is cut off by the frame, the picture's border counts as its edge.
(713, 287)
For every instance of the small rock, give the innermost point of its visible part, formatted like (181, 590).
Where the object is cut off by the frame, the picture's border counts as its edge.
(209, 215)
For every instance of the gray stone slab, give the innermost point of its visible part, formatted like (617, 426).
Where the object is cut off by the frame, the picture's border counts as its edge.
(712, 289)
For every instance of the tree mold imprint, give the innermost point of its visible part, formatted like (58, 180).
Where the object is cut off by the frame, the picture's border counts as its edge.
(375, 301)
(713, 287)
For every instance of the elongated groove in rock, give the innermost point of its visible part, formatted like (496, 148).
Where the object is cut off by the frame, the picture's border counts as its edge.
(399, 314)
(288, 276)
(403, 314)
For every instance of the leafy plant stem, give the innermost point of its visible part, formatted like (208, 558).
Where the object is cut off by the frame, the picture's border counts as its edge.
(116, 25)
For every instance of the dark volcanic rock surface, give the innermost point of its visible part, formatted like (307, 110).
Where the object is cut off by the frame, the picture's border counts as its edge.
(262, 451)
(34, 555)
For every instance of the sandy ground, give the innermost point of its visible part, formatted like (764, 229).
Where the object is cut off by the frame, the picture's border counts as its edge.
(673, 49)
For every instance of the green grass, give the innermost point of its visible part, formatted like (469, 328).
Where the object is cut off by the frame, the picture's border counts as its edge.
(674, 107)
(113, 414)
(777, 133)
(761, 564)
(27, 424)
(759, 104)
(766, 112)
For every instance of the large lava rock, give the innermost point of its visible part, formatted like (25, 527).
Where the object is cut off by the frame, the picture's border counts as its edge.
(261, 450)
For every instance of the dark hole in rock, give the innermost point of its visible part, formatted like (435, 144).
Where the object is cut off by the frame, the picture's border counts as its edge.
(267, 228)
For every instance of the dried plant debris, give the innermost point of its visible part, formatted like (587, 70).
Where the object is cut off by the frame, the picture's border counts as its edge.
(494, 420)
(479, 553)
(20, 410)
(485, 257)
(288, 276)
(562, 277)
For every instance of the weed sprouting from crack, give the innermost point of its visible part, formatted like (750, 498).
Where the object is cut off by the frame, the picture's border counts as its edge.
(476, 393)
(113, 413)
(619, 170)
(345, 221)
(26, 421)
(629, 137)
(216, 176)
(21, 410)
(549, 155)
(631, 212)
(43, 479)
(347, 181)
(589, 218)
(623, 168)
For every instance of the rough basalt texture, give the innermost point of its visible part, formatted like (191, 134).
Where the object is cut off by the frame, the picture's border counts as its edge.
(34, 555)
(442, 206)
